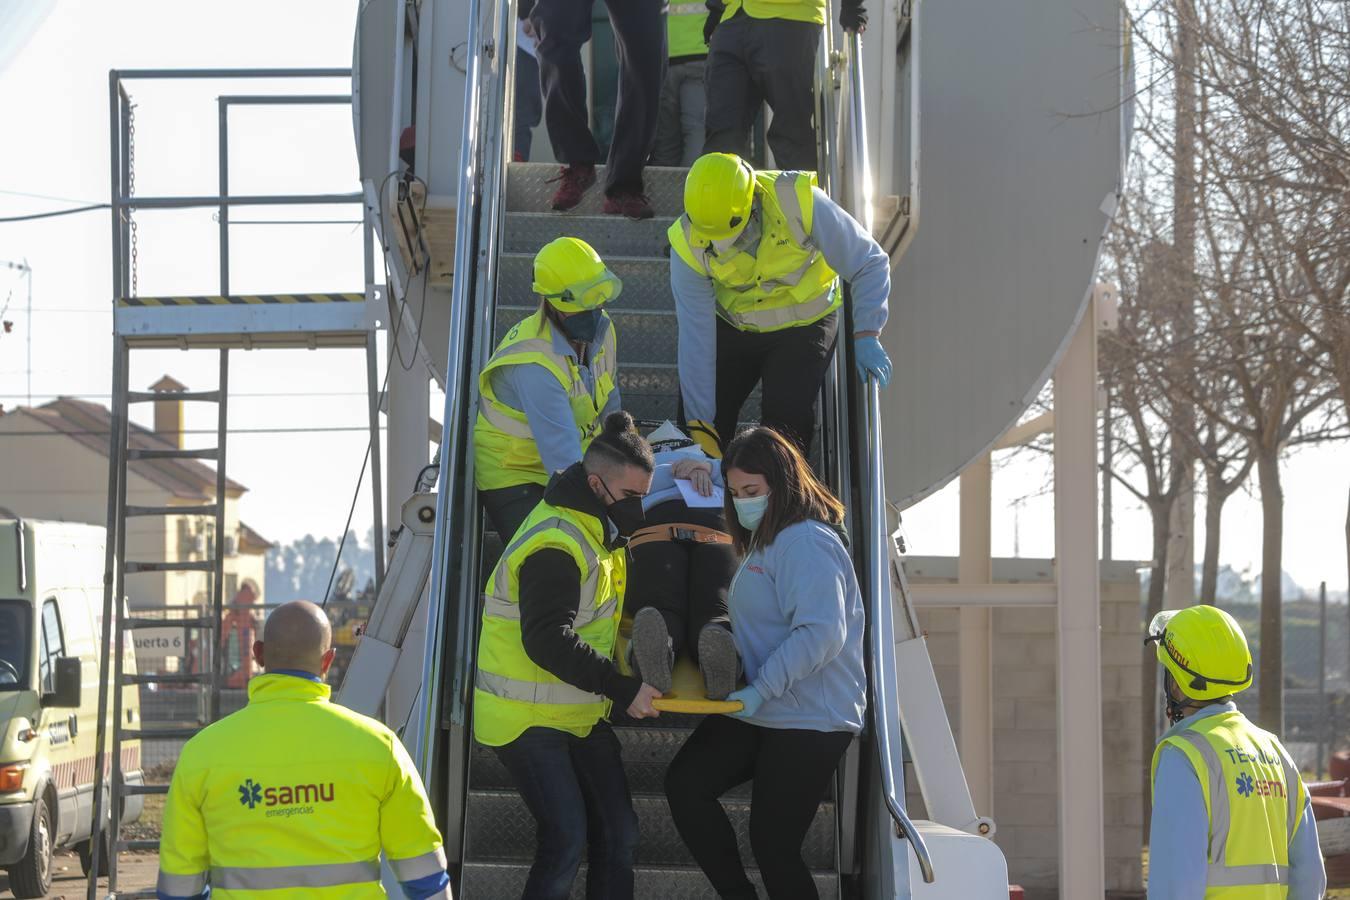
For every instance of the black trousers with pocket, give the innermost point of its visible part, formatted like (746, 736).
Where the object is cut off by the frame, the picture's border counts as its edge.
(790, 364)
(790, 771)
(687, 582)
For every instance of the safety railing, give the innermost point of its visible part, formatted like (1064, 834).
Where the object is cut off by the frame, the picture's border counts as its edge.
(857, 178)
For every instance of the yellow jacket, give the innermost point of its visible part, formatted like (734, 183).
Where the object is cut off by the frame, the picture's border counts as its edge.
(296, 796)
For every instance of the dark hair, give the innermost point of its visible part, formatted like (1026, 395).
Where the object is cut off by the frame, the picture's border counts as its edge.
(795, 494)
(619, 444)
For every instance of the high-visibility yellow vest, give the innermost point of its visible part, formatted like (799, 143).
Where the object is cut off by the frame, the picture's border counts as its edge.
(684, 29)
(294, 796)
(511, 693)
(785, 282)
(505, 453)
(1255, 800)
(796, 10)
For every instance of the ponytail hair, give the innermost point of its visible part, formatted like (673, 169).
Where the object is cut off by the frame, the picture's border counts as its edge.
(618, 444)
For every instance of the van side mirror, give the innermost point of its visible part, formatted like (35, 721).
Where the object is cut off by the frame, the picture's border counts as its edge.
(69, 672)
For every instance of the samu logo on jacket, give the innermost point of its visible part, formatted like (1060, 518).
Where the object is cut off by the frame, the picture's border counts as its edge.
(252, 794)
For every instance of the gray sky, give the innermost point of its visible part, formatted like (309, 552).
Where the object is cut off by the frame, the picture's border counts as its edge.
(54, 97)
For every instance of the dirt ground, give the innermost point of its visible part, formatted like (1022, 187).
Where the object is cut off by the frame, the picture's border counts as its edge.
(135, 872)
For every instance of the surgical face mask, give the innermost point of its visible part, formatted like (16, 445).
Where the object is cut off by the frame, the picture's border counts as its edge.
(626, 513)
(582, 326)
(750, 510)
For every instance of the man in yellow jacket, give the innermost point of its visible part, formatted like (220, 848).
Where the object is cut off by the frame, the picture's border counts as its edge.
(296, 795)
(1231, 816)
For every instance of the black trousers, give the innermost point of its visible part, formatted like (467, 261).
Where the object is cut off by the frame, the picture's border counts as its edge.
(687, 582)
(790, 771)
(507, 508)
(790, 364)
(753, 61)
(640, 39)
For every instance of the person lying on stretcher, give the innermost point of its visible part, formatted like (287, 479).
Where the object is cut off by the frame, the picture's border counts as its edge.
(680, 569)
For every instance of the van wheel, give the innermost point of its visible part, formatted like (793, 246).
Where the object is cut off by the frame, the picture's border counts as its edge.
(85, 849)
(32, 875)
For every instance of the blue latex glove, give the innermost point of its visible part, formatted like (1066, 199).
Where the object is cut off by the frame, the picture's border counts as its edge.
(751, 700)
(871, 359)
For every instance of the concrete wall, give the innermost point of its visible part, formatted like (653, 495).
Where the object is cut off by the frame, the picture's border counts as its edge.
(1025, 729)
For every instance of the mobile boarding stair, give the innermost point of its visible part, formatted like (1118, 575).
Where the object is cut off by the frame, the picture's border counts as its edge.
(862, 843)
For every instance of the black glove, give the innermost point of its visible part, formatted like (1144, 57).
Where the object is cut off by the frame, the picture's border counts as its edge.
(715, 11)
(853, 16)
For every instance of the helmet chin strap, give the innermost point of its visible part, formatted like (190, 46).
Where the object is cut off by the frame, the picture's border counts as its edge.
(1180, 709)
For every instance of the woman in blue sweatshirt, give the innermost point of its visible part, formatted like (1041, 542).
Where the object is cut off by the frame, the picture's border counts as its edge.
(797, 618)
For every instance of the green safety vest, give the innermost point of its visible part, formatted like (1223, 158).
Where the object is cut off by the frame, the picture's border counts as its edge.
(684, 29)
(1255, 801)
(796, 10)
(511, 693)
(785, 282)
(505, 453)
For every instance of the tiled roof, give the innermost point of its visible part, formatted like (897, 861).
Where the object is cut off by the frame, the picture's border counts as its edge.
(89, 424)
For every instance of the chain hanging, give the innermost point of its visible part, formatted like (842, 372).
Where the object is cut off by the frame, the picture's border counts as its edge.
(131, 192)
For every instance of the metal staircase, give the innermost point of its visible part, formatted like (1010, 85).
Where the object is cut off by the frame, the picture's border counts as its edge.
(499, 840)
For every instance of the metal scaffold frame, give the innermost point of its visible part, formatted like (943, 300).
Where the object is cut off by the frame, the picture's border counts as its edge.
(220, 321)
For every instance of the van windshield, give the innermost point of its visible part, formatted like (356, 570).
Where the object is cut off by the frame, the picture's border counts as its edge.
(15, 639)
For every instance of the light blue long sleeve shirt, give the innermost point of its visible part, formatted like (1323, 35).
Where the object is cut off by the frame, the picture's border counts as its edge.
(847, 248)
(663, 487)
(797, 619)
(1179, 831)
(535, 391)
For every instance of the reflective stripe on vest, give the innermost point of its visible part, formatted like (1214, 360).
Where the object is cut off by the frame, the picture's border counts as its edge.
(415, 867)
(559, 694)
(181, 885)
(239, 878)
(754, 292)
(495, 604)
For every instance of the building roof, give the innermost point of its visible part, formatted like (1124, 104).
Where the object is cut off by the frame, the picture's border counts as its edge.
(168, 383)
(252, 542)
(89, 424)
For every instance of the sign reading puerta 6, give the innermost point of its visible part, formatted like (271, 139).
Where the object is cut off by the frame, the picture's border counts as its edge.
(157, 644)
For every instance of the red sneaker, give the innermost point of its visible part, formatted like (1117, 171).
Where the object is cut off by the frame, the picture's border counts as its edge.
(632, 204)
(575, 180)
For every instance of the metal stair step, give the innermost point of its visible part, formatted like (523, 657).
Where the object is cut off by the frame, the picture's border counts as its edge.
(155, 396)
(646, 282)
(530, 186)
(146, 894)
(175, 453)
(208, 510)
(526, 232)
(204, 565)
(160, 734)
(137, 845)
(501, 829)
(647, 753)
(133, 622)
(166, 678)
(506, 881)
(144, 789)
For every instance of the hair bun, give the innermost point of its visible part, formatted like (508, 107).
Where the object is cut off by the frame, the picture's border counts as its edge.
(619, 423)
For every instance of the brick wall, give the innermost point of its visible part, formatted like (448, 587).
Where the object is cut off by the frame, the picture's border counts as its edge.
(1025, 729)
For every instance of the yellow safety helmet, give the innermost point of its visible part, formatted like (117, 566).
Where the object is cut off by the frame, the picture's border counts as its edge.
(572, 277)
(1204, 649)
(719, 193)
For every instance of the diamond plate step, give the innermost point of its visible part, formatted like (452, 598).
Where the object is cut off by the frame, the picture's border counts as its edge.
(527, 232)
(506, 881)
(646, 282)
(529, 187)
(502, 829)
(646, 752)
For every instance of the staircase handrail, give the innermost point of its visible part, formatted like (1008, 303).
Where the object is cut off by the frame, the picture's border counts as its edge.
(885, 716)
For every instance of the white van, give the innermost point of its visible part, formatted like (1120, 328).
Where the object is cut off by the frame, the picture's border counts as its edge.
(51, 612)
